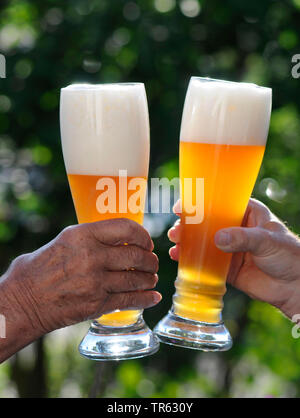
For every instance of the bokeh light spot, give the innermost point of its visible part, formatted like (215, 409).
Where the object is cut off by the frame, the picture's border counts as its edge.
(190, 8)
(164, 6)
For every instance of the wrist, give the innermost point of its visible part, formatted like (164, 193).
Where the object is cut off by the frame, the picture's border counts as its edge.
(289, 279)
(292, 305)
(17, 315)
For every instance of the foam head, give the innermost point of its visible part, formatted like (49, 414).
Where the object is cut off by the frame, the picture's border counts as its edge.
(224, 112)
(105, 128)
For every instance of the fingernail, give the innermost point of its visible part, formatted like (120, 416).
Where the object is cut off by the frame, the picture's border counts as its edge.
(223, 238)
(157, 297)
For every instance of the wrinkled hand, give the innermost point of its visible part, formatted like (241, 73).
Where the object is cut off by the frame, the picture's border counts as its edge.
(266, 259)
(84, 272)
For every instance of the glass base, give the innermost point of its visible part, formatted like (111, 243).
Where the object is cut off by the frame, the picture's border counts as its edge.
(182, 332)
(105, 343)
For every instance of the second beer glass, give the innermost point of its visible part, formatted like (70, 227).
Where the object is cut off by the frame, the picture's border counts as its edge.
(223, 135)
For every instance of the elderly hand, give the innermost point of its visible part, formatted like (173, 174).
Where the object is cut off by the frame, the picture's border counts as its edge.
(85, 272)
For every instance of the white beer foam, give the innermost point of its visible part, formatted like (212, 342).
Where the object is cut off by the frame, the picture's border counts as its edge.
(105, 128)
(223, 112)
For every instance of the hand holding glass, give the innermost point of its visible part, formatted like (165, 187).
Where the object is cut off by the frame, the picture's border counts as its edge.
(105, 140)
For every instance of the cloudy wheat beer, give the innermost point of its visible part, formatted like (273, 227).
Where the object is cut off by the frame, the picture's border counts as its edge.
(223, 135)
(105, 132)
(222, 141)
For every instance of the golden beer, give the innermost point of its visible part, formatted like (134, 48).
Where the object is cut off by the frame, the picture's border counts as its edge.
(85, 194)
(222, 141)
(202, 266)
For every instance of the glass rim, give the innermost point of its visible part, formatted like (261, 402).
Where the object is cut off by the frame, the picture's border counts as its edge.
(98, 86)
(208, 79)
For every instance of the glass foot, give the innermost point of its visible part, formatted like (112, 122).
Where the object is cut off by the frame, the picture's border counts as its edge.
(175, 330)
(105, 343)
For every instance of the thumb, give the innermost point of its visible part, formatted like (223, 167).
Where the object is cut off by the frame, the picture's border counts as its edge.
(257, 241)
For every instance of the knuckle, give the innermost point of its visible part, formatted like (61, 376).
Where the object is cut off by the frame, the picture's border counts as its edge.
(243, 238)
(266, 235)
(132, 281)
(126, 301)
(240, 240)
(109, 256)
(268, 242)
(127, 224)
(68, 233)
(75, 233)
(138, 281)
(129, 279)
(19, 262)
(274, 226)
(131, 300)
(133, 230)
(134, 253)
(260, 205)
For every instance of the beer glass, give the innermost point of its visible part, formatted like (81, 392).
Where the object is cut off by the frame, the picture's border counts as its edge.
(222, 141)
(105, 141)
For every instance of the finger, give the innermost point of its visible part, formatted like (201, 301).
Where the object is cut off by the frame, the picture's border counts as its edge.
(235, 266)
(128, 281)
(258, 214)
(121, 231)
(174, 233)
(133, 300)
(257, 241)
(177, 209)
(130, 257)
(174, 252)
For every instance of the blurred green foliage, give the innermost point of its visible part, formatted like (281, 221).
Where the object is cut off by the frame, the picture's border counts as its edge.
(51, 43)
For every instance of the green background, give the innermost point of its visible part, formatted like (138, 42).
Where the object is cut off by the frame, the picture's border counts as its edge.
(49, 44)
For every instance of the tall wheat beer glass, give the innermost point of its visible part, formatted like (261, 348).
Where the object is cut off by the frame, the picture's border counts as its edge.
(105, 141)
(222, 142)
